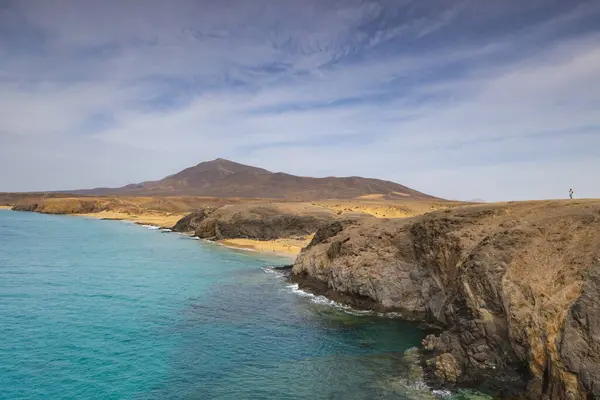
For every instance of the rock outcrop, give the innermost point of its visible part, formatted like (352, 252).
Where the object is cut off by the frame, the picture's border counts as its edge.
(260, 222)
(64, 206)
(514, 289)
(30, 207)
(190, 222)
(579, 345)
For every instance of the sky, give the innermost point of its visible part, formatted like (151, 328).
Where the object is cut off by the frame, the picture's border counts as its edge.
(460, 99)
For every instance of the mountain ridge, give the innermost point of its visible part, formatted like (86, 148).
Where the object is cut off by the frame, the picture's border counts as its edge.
(224, 178)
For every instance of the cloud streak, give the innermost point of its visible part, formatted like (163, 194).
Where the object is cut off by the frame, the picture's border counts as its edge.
(458, 99)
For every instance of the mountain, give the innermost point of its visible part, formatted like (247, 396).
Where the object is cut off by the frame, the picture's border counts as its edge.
(224, 178)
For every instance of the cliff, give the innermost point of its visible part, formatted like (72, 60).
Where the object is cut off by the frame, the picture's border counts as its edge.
(260, 221)
(514, 289)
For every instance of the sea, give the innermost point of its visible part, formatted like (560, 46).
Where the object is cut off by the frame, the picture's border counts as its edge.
(94, 309)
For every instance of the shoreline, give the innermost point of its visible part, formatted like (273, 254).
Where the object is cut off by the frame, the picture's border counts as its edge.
(288, 248)
(160, 221)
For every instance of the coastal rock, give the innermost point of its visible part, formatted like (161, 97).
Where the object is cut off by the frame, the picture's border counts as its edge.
(190, 222)
(327, 231)
(262, 222)
(580, 343)
(29, 207)
(434, 343)
(446, 368)
(64, 206)
(513, 287)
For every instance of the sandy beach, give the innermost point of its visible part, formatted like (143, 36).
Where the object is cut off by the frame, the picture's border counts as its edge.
(282, 247)
(162, 220)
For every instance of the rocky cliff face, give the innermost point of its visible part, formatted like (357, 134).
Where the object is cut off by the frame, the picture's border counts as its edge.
(514, 288)
(65, 206)
(191, 222)
(261, 222)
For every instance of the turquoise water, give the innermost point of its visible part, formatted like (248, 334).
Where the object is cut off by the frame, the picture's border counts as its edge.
(109, 310)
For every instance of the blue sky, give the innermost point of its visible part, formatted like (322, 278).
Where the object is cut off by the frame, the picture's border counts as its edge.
(461, 99)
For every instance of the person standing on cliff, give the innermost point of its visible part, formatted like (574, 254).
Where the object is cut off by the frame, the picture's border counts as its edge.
(571, 194)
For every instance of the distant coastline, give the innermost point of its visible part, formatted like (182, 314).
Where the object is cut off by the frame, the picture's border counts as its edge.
(289, 248)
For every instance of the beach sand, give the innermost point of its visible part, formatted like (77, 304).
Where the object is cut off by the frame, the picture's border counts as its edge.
(165, 220)
(282, 247)
(5, 207)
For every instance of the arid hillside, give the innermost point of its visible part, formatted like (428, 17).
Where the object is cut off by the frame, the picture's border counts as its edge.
(224, 178)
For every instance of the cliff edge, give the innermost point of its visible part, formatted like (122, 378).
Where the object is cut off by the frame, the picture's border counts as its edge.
(514, 289)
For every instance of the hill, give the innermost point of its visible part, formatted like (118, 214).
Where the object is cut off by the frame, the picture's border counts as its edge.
(224, 178)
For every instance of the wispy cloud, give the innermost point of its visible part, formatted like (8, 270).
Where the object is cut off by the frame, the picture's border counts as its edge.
(460, 99)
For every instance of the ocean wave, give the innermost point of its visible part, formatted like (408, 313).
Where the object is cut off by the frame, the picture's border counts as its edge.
(151, 227)
(442, 393)
(271, 270)
(165, 230)
(323, 300)
(276, 271)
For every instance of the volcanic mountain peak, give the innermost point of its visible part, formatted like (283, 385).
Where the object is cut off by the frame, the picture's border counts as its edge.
(225, 178)
(226, 166)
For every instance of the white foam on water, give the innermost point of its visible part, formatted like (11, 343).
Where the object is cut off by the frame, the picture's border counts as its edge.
(420, 386)
(195, 238)
(235, 247)
(151, 227)
(165, 230)
(322, 300)
(273, 271)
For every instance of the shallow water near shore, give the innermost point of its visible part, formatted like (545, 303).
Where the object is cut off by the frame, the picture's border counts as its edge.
(107, 310)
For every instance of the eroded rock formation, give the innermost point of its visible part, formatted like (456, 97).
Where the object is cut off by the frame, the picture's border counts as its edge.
(190, 222)
(261, 222)
(513, 287)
